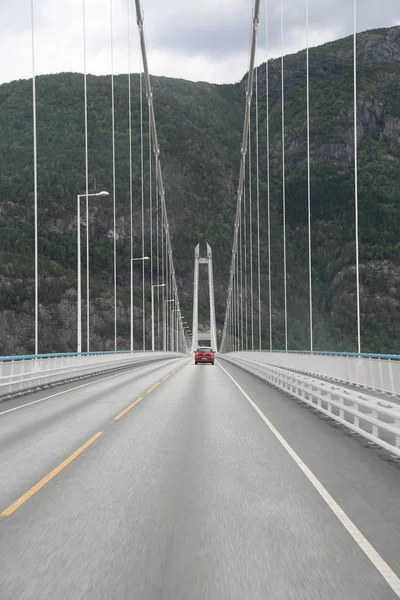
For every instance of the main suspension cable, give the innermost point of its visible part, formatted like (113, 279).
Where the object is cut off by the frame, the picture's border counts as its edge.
(149, 95)
(256, 12)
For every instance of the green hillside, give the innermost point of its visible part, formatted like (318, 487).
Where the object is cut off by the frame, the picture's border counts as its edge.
(200, 128)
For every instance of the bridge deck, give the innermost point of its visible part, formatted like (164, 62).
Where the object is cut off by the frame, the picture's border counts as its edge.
(188, 494)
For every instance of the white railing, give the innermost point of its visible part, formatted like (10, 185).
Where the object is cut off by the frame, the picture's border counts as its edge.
(376, 372)
(19, 374)
(376, 419)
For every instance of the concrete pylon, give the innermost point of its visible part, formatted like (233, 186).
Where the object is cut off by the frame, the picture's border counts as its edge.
(195, 325)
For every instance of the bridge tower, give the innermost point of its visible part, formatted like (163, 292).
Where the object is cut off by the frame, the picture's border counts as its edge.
(212, 334)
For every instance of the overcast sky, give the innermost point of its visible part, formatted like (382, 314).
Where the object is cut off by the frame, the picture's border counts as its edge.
(205, 40)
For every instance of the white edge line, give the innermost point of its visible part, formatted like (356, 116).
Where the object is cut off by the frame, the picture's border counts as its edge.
(379, 563)
(78, 387)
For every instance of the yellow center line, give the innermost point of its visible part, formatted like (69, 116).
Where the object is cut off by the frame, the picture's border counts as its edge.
(123, 412)
(172, 372)
(154, 387)
(38, 486)
(165, 378)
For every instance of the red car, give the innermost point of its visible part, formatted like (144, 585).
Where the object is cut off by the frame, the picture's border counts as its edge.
(204, 355)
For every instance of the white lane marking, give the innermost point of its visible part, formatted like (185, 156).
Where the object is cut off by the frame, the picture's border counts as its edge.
(78, 387)
(379, 563)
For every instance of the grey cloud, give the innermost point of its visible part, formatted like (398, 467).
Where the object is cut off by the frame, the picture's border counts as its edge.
(180, 31)
(220, 33)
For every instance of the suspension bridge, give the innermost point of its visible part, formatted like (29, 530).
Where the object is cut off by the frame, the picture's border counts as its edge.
(127, 472)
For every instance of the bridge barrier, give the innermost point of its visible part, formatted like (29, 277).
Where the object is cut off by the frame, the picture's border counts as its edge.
(379, 372)
(376, 419)
(21, 374)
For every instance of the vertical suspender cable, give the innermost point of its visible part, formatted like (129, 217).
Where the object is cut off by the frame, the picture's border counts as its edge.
(258, 217)
(239, 287)
(87, 181)
(245, 261)
(163, 278)
(283, 184)
(251, 237)
(268, 184)
(151, 204)
(232, 291)
(237, 304)
(158, 261)
(167, 293)
(232, 328)
(233, 280)
(113, 177)
(166, 288)
(142, 198)
(130, 167)
(241, 276)
(309, 185)
(171, 295)
(35, 194)
(356, 177)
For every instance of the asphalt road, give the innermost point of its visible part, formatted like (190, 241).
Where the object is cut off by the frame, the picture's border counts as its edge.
(190, 494)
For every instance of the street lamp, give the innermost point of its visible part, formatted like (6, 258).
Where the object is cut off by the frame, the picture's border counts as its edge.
(152, 312)
(79, 283)
(132, 261)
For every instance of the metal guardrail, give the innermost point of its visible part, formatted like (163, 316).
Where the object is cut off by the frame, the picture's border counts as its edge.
(376, 419)
(21, 374)
(372, 371)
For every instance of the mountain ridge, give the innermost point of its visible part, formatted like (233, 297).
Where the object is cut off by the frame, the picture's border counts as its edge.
(200, 127)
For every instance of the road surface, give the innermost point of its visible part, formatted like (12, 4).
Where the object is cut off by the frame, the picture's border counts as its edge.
(171, 482)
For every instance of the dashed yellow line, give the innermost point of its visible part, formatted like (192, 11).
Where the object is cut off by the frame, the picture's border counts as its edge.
(123, 412)
(38, 486)
(154, 387)
(128, 408)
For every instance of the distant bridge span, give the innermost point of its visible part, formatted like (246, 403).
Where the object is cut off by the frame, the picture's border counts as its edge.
(212, 334)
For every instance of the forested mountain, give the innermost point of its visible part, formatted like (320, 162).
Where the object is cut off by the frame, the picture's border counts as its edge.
(200, 129)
